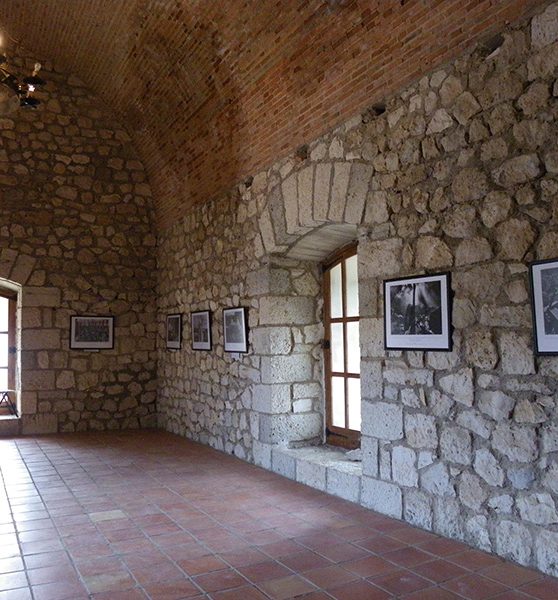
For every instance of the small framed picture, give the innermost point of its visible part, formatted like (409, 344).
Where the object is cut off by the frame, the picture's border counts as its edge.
(544, 301)
(201, 330)
(91, 333)
(174, 332)
(417, 313)
(235, 326)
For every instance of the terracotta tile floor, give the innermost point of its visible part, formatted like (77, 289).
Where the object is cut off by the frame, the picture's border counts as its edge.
(131, 516)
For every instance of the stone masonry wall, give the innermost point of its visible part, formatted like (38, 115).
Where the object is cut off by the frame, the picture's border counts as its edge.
(210, 261)
(76, 224)
(459, 173)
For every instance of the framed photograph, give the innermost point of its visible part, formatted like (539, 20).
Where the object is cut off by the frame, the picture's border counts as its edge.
(201, 330)
(174, 332)
(235, 326)
(91, 333)
(544, 301)
(417, 313)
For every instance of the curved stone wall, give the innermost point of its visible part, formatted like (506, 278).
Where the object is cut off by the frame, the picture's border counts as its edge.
(76, 224)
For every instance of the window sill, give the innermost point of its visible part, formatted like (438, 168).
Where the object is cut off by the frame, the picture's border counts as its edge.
(321, 467)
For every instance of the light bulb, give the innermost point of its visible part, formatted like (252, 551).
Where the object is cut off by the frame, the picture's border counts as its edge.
(31, 88)
(37, 68)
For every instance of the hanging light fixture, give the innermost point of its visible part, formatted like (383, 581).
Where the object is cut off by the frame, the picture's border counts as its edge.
(16, 92)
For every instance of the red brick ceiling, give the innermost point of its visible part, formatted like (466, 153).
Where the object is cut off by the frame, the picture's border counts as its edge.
(213, 90)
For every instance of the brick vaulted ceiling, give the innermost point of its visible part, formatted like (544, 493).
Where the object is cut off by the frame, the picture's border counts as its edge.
(213, 90)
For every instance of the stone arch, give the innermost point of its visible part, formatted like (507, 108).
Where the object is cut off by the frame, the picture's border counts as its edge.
(316, 208)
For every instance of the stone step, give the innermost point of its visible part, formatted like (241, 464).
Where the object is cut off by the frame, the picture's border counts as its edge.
(10, 426)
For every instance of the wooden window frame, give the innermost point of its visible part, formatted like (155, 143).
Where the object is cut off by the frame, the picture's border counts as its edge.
(337, 436)
(12, 325)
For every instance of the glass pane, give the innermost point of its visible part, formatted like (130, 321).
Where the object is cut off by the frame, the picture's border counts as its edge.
(3, 379)
(351, 277)
(335, 292)
(337, 354)
(4, 314)
(3, 349)
(353, 348)
(354, 404)
(338, 401)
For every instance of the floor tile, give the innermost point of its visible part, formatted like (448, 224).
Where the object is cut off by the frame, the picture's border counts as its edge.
(150, 516)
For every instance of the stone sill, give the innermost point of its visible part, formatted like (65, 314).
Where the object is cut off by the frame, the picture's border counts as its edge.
(321, 467)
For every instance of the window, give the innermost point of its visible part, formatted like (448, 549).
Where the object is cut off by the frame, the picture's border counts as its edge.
(342, 349)
(7, 341)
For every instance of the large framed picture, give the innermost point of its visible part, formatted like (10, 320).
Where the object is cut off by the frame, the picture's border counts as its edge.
(544, 301)
(91, 333)
(201, 330)
(174, 331)
(235, 326)
(417, 313)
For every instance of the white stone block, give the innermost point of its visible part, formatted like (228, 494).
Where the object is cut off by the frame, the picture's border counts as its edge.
(311, 473)
(283, 463)
(382, 420)
(344, 484)
(382, 497)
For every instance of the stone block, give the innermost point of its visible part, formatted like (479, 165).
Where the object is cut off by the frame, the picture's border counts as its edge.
(516, 353)
(357, 191)
(382, 497)
(322, 186)
(344, 483)
(537, 508)
(40, 339)
(380, 258)
(339, 185)
(311, 473)
(283, 463)
(403, 466)
(371, 382)
(436, 480)
(382, 420)
(448, 518)
(286, 369)
(282, 429)
(22, 269)
(456, 445)
(372, 338)
(369, 447)
(546, 550)
(459, 386)
(272, 340)
(516, 442)
(417, 508)
(514, 541)
(420, 431)
(290, 310)
(544, 27)
(39, 424)
(37, 380)
(495, 404)
(41, 297)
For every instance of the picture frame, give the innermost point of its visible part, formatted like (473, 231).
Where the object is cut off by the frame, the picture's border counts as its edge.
(235, 329)
(200, 322)
(91, 332)
(174, 331)
(543, 275)
(417, 313)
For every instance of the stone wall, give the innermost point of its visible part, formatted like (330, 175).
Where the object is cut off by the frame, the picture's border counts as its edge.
(214, 260)
(458, 173)
(76, 226)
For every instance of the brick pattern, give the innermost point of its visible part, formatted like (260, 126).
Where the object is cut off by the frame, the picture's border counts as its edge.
(211, 96)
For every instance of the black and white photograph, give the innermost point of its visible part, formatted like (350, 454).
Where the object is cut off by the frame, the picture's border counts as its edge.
(201, 330)
(235, 329)
(91, 332)
(544, 299)
(417, 313)
(174, 331)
